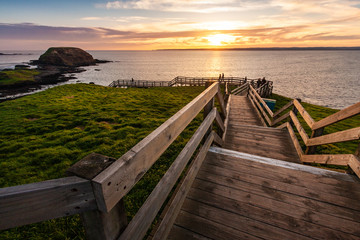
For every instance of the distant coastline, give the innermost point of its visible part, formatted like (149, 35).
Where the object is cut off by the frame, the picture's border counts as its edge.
(266, 49)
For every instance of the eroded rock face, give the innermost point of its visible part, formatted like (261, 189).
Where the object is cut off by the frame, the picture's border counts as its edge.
(66, 56)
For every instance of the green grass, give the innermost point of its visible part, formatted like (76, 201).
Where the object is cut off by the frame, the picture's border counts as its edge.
(318, 113)
(10, 77)
(45, 133)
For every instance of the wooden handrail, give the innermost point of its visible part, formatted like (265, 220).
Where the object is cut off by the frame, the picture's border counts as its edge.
(342, 136)
(261, 101)
(306, 116)
(116, 181)
(286, 106)
(339, 116)
(138, 226)
(25, 204)
(35, 202)
(315, 139)
(170, 216)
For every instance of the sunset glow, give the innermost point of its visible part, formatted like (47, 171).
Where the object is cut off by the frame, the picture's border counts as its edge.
(165, 24)
(220, 39)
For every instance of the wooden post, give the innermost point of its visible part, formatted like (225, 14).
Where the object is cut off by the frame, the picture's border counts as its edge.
(99, 225)
(316, 133)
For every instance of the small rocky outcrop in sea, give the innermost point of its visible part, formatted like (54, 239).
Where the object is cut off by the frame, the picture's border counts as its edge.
(67, 57)
(53, 66)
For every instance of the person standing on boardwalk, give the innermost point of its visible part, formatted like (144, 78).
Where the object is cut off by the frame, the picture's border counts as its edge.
(222, 76)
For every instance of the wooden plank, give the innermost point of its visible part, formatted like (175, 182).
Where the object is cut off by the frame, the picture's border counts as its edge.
(220, 122)
(342, 136)
(211, 229)
(354, 164)
(298, 126)
(339, 116)
(308, 119)
(179, 233)
(257, 112)
(262, 102)
(295, 140)
(252, 210)
(297, 174)
(303, 213)
(286, 115)
(226, 123)
(236, 221)
(259, 109)
(170, 216)
(241, 177)
(334, 159)
(117, 180)
(286, 106)
(220, 99)
(139, 225)
(36, 202)
(284, 125)
(217, 139)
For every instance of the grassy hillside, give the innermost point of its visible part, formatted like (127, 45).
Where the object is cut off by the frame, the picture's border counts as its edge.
(11, 77)
(45, 133)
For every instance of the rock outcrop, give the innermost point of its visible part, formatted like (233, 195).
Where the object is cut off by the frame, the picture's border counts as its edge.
(67, 57)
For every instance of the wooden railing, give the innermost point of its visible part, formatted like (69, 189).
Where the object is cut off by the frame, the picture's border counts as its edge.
(97, 193)
(264, 89)
(183, 81)
(316, 138)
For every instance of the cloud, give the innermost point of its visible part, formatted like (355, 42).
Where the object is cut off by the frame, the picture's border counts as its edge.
(197, 6)
(107, 38)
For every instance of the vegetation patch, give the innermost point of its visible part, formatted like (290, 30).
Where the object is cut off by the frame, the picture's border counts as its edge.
(16, 76)
(45, 133)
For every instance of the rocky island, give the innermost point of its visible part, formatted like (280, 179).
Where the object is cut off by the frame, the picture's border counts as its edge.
(51, 68)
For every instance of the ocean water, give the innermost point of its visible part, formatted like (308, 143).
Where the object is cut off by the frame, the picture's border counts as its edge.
(327, 78)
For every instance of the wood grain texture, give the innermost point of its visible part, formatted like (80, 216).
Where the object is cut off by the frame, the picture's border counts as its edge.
(339, 116)
(308, 119)
(286, 106)
(342, 136)
(299, 128)
(265, 106)
(170, 216)
(235, 198)
(118, 179)
(334, 159)
(35, 202)
(260, 108)
(139, 225)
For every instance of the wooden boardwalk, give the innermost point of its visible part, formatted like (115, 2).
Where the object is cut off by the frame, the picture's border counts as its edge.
(246, 133)
(253, 188)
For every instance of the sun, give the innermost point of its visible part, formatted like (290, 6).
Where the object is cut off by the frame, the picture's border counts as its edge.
(220, 39)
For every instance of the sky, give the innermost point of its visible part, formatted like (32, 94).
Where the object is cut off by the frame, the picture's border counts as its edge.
(178, 24)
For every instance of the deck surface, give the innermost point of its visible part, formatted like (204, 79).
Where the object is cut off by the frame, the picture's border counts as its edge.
(242, 197)
(254, 188)
(246, 133)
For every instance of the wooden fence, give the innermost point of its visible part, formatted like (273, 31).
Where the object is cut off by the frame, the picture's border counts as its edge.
(98, 189)
(317, 138)
(183, 81)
